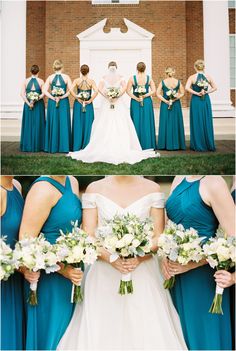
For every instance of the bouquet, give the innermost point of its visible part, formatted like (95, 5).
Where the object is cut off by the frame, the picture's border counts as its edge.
(203, 83)
(126, 236)
(8, 264)
(84, 95)
(220, 254)
(35, 254)
(76, 249)
(113, 93)
(172, 94)
(140, 90)
(57, 91)
(179, 245)
(32, 96)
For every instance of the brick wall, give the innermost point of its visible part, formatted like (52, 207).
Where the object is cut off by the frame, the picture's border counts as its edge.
(174, 24)
(232, 31)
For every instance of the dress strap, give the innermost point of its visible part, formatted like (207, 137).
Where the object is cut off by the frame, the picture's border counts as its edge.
(58, 77)
(68, 184)
(135, 80)
(148, 78)
(53, 182)
(33, 81)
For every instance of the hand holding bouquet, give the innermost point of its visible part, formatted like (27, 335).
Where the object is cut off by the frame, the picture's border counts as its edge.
(140, 90)
(35, 254)
(172, 94)
(220, 254)
(8, 263)
(126, 236)
(179, 245)
(84, 95)
(57, 91)
(113, 93)
(76, 249)
(32, 96)
(203, 83)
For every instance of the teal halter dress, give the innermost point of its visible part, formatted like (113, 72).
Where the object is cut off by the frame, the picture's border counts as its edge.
(143, 118)
(194, 290)
(33, 122)
(82, 123)
(201, 120)
(47, 322)
(58, 123)
(171, 126)
(12, 301)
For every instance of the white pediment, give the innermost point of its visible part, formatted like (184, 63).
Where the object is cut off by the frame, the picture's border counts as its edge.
(96, 32)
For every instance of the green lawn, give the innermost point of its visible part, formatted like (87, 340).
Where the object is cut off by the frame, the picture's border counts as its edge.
(171, 165)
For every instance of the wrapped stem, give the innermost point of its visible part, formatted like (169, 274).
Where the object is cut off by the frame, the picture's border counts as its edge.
(32, 299)
(169, 283)
(216, 306)
(84, 107)
(126, 284)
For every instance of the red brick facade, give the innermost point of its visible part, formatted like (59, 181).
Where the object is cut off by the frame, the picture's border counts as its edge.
(52, 28)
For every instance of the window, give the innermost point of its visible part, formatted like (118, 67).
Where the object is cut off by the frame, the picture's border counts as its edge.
(114, 2)
(231, 4)
(232, 61)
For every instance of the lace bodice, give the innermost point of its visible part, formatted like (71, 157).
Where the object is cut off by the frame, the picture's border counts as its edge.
(108, 208)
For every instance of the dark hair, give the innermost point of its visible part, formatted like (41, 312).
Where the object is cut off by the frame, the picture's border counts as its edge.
(112, 63)
(84, 69)
(34, 69)
(141, 67)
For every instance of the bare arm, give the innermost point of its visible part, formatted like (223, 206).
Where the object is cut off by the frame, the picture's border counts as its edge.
(129, 90)
(152, 89)
(23, 94)
(181, 92)
(46, 89)
(73, 86)
(188, 87)
(159, 94)
(95, 92)
(212, 84)
(68, 89)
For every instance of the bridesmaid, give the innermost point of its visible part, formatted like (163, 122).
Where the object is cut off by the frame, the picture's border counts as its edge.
(82, 120)
(200, 203)
(58, 123)
(201, 123)
(33, 120)
(171, 126)
(51, 204)
(141, 108)
(12, 309)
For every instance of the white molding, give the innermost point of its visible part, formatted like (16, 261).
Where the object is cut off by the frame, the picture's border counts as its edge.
(109, 2)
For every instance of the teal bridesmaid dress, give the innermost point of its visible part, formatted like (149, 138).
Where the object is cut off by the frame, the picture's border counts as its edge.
(171, 126)
(82, 124)
(201, 120)
(143, 118)
(58, 123)
(12, 307)
(47, 322)
(194, 290)
(33, 122)
(232, 298)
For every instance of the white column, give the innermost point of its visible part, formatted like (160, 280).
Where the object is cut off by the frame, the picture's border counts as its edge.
(216, 54)
(13, 56)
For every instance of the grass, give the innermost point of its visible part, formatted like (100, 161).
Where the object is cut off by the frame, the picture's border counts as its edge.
(180, 164)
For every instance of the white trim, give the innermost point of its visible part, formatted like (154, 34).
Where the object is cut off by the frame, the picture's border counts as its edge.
(119, 2)
(232, 35)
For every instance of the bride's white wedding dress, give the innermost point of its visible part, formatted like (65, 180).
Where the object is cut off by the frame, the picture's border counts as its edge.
(144, 320)
(113, 137)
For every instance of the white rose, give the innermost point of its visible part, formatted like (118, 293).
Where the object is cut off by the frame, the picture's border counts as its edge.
(223, 253)
(136, 243)
(128, 238)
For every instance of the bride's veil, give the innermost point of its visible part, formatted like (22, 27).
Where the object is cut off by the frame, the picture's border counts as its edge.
(112, 76)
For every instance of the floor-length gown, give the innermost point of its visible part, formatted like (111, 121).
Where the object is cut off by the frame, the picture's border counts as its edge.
(194, 290)
(33, 122)
(113, 137)
(201, 120)
(12, 301)
(143, 118)
(58, 123)
(47, 322)
(171, 126)
(106, 320)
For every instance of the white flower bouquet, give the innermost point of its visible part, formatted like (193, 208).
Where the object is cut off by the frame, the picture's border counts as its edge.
(126, 236)
(32, 96)
(220, 254)
(57, 91)
(203, 83)
(35, 254)
(140, 90)
(8, 263)
(76, 249)
(84, 95)
(172, 94)
(112, 93)
(179, 245)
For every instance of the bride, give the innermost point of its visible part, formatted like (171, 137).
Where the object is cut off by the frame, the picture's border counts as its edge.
(106, 320)
(113, 137)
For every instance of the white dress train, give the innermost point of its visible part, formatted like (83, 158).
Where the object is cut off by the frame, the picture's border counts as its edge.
(145, 320)
(113, 137)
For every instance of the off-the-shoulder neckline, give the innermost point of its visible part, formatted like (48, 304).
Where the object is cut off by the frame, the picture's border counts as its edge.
(131, 204)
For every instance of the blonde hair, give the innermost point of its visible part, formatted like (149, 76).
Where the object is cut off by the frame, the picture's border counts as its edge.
(169, 71)
(199, 65)
(57, 65)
